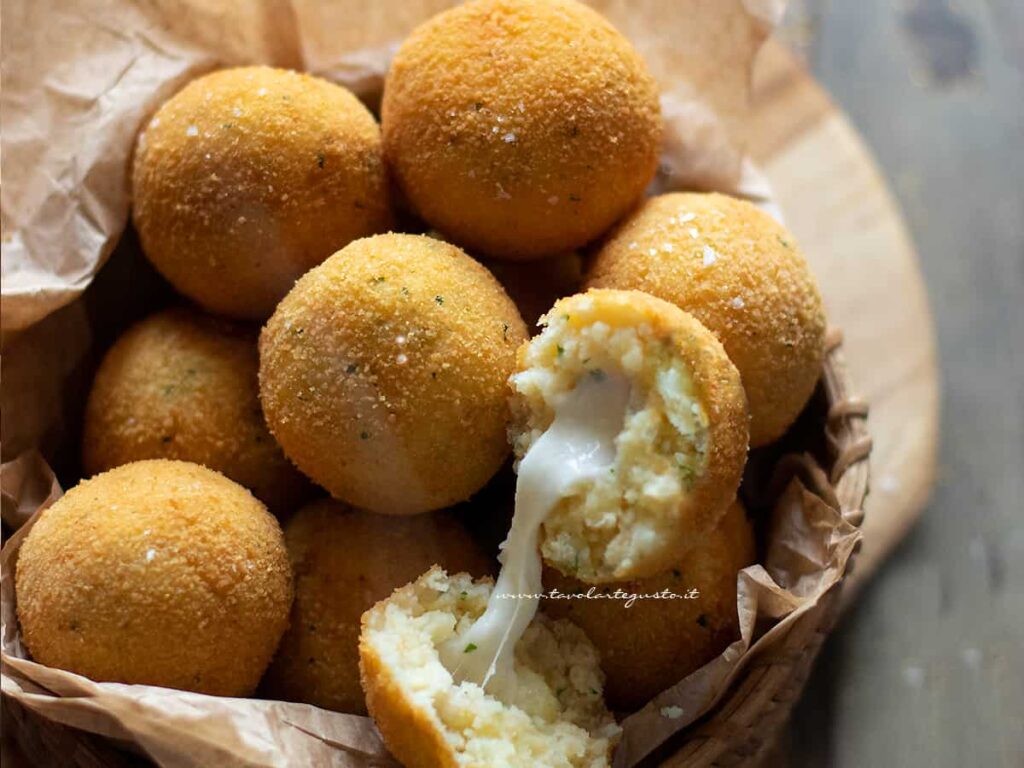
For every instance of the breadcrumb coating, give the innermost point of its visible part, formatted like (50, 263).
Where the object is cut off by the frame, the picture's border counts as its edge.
(183, 385)
(344, 561)
(680, 454)
(653, 643)
(555, 716)
(248, 177)
(520, 128)
(383, 374)
(742, 275)
(158, 573)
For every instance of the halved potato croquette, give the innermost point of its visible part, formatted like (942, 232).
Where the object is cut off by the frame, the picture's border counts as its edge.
(383, 374)
(157, 573)
(739, 272)
(678, 459)
(248, 177)
(552, 714)
(181, 384)
(520, 128)
(653, 643)
(345, 560)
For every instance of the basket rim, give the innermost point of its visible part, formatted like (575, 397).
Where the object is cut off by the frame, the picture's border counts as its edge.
(744, 724)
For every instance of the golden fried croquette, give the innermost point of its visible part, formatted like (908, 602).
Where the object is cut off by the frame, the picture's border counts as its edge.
(383, 374)
(677, 441)
(249, 177)
(158, 573)
(520, 128)
(344, 561)
(183, 385)
(742, 275)
(653, 643)
(551, 715)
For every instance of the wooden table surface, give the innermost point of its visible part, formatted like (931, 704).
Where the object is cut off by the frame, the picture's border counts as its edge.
(927, 667)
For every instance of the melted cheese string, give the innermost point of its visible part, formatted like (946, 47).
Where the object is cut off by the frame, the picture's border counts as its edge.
(579, 444)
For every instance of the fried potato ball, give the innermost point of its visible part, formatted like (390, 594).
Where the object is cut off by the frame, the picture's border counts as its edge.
(742, 275)
(248, 177)
(344, 561)
(552, 715)
(675, 462)
(158, 573)
(652, 643)
(383, 374)
(183, 385)
(520, 128)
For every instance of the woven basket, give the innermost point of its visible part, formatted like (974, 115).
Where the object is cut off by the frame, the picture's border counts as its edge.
(743, 727)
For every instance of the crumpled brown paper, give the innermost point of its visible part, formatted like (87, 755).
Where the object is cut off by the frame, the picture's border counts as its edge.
(78, 82)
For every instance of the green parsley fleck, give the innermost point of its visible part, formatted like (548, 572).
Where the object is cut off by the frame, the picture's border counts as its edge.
(320, 159)
(463, 595)
(784, 242)
(378, 280)
(561, 350)
(364, 435)
(470, 647)
(439, 299)
(504, 331)
(598, 375)
(352, 368)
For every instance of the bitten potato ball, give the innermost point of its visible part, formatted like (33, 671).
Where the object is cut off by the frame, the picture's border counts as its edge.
(520, 128)
(248, 177)
(742, 275)
(344, 561)
(157, 573)
(676, 439)
(183, 385)
(383, 374)
(651, 644)
(551, 713)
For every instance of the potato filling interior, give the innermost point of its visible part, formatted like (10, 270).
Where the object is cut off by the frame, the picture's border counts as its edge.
(549, 712)
(610, 520)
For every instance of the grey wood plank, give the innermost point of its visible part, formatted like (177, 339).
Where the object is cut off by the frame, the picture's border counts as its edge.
(928, 668)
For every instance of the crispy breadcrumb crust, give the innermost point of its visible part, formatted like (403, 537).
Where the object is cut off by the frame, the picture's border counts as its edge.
(159, 573)
(520, 128)
(183, 385)
(248, 177)
(383, 374)
(742, 275)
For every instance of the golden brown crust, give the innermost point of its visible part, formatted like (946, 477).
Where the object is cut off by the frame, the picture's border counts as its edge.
(383, 374)
(742, 275)
(183, 385)
(520, 128)
(249, 177)
(408, 731)
(654, 643)
(344, 561)
(160, 573)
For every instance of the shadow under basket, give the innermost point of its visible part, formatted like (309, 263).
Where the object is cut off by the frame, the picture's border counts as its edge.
(827, 448)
